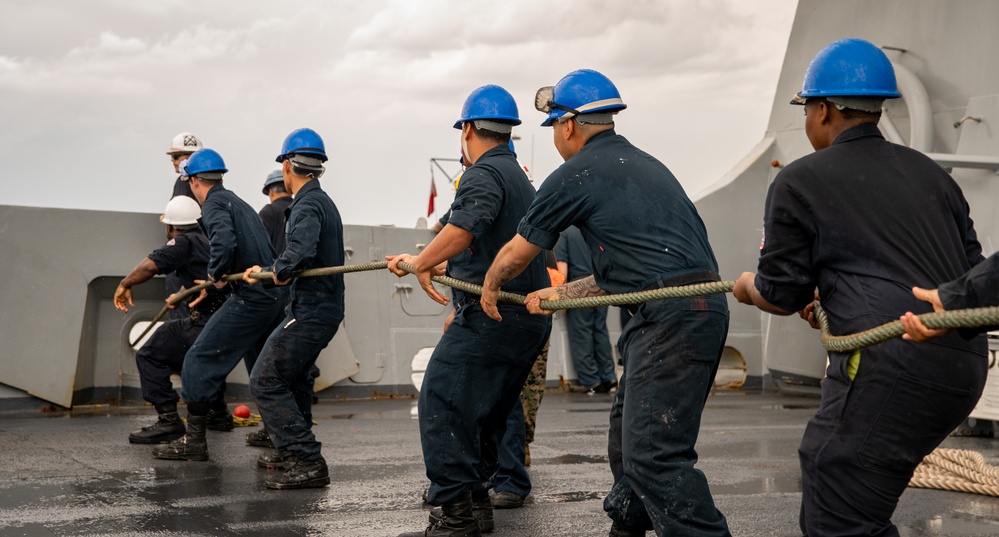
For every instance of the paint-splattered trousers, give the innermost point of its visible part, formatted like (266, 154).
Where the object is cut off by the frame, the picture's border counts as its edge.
(284, 376)
(671, 350)
(471, 385)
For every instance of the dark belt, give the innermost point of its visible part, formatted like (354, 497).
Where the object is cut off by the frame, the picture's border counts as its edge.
(462, 299)
(687, 278)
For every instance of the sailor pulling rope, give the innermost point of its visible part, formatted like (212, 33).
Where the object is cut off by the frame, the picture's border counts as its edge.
(945, 469)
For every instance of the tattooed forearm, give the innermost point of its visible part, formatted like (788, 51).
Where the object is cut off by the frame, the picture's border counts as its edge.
(505, 274)
(580, 289)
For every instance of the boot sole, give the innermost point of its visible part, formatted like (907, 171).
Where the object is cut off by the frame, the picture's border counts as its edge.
(310, 484)
(486, 525)
(163, 440)
(172, 457)
(275, 466)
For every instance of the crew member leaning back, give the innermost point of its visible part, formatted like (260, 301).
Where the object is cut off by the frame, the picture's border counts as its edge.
(643, 233)
(236, 331)
(183, 258)
(478, 368)
(282, 383)
(863, 221)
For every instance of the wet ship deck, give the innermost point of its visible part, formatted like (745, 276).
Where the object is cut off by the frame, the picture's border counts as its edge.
(75, 474)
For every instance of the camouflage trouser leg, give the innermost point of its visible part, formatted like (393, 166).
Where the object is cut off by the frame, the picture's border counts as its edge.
(534, 391)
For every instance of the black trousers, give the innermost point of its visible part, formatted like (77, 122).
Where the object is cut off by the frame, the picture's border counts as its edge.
(163, 355)
(861, 447)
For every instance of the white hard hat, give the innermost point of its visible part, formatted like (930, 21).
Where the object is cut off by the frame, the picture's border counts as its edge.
(184, 142)
(181, 211)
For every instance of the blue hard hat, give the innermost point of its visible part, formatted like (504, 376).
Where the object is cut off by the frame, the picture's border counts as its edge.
(849, 68)
(273, 178)
(583, 91)
(205, 161)
(303, 142)
(489, 102)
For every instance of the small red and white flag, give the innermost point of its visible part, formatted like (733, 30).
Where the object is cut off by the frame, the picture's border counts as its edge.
(433, 194)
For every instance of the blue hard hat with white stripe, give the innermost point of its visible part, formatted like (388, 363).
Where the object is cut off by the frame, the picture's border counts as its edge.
(580, 92)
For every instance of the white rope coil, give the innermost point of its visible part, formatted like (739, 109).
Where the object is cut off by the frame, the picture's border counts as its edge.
(959, 470)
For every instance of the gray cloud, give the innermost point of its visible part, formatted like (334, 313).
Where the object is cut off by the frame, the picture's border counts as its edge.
(92, 92)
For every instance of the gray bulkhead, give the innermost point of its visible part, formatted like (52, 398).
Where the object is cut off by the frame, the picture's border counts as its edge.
(943, 54)
(63, 342)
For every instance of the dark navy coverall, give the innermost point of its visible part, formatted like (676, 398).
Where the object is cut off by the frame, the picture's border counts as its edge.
(643, 232)
(864, 221)
(273, 216)
(185, 258)
(511, 472)
(589, 341)
(281, 382)
(478, 368)
(182, 187)
(240, 327)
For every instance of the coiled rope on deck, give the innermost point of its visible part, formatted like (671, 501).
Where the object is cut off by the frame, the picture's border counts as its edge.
(959, 470)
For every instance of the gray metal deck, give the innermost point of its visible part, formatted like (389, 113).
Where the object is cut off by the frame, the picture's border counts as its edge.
(75, 474)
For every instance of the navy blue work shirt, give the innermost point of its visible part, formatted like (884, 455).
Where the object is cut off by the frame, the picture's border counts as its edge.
(571, 249)
(315, 239)
(236, 234)
(639, 224)
(864, 221)
(184, 259)
(274, 220)
(495, 194)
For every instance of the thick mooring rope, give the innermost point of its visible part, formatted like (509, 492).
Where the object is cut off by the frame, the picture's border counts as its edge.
(959, 470)
(945, 469)
(945, 319)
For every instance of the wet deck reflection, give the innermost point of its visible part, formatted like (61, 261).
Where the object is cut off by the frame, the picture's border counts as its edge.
(76, 474)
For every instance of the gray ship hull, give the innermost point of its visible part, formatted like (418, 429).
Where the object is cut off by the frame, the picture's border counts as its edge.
(944, 61)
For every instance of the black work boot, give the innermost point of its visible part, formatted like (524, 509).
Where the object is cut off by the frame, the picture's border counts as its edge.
(190, 447)
(618, 530)
(482, 510)
(456, 520)
(167, 428)
(303, 475)
(220, 419)
(273, 459)
(259, 439)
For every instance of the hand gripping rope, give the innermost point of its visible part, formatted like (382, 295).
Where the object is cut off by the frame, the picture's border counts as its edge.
(945, 319)
(946, 469)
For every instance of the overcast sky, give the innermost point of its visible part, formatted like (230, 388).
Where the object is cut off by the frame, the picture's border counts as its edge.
(91, 93)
